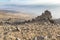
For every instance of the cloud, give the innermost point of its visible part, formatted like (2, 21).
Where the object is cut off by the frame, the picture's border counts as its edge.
(4, 0)
(27, 2)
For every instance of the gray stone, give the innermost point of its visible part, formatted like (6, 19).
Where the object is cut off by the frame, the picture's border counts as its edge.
(38, 38)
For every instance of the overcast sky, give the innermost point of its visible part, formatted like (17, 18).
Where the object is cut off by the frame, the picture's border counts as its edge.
(55, 10)
(29, 2)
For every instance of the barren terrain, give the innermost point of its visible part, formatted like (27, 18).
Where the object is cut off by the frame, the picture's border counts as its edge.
(42, 27)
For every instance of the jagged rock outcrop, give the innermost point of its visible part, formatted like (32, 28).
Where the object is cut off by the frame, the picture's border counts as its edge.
(45, 17)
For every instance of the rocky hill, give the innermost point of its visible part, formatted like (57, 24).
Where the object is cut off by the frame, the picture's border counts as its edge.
(11, 18)
(42, 27)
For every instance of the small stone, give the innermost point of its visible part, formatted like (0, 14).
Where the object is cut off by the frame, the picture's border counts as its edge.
(39, 38)
(18, 39)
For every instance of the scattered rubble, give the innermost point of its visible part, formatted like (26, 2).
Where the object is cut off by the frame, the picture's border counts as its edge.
(41, 28)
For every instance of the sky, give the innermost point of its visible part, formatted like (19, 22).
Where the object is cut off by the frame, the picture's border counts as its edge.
(29, 2)
(54, 10)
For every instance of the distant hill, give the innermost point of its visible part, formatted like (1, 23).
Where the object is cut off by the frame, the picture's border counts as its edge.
(13, 14)
(11, 11)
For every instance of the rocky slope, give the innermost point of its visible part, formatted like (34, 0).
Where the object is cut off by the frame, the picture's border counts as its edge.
(40, 28)
(8, 14)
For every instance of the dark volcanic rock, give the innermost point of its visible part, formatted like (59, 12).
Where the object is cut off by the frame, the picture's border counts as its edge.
(39, 38)
(45, 17)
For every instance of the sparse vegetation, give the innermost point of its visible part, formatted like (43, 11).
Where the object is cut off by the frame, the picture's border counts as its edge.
(41, 28)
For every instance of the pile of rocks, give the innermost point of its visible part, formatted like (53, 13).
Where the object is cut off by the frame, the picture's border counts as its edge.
(45, 17)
